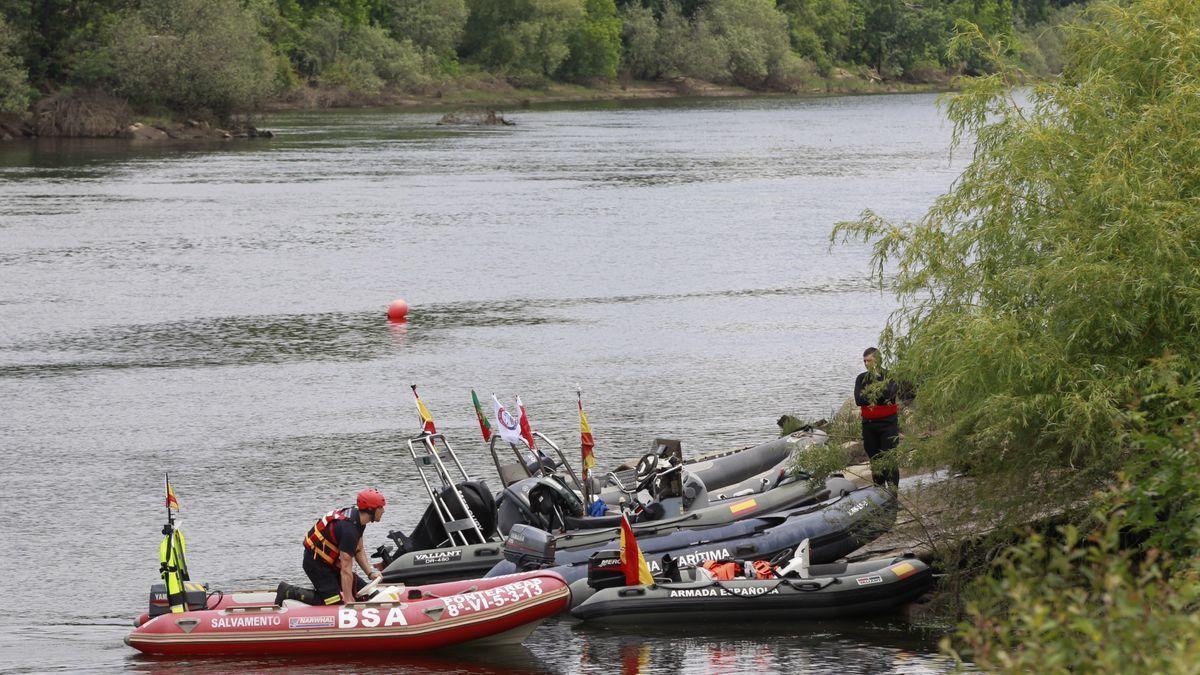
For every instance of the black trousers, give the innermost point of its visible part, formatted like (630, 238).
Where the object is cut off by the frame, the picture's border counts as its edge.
(327, 580)
(878, 438)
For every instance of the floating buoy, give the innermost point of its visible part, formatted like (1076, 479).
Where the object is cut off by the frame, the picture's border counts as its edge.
(398, 310)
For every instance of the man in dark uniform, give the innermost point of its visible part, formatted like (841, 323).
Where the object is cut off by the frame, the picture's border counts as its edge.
(331, 548)
(875, 394)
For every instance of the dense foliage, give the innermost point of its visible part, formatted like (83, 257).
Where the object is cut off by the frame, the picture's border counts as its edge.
(1049, 307)
(14, 89)
(213, 57)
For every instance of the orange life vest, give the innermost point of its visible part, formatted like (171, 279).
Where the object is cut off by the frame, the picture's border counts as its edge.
(321, 539)
(723, 570)
(763, 570)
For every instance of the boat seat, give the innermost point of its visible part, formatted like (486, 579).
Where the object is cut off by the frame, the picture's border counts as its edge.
(827, 570)
(292, 604)
(511, 473)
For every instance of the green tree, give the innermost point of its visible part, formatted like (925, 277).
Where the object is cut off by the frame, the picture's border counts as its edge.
(639, 42)
(821, 30)
(192, 56)
(595, 44)
(436, 24)
(895, 35)
(1040, 295)
(753, 36)
(521, 37)
(14, 83)
(362, 58)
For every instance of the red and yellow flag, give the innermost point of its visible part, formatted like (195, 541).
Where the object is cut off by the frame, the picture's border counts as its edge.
(632, 561)
(587, 443)
(426, 418)
(172, 502)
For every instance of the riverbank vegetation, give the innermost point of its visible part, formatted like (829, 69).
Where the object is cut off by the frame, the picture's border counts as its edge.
(1048, 313)
(208, 59)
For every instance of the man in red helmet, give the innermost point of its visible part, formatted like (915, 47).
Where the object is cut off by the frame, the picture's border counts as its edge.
(331, 547)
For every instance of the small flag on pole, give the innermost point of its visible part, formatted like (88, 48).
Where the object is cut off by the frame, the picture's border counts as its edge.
(632, 560)
(506, 425)
(485, 428)
(426, 418)
(172, 502)
(587, 443)
(526, 431)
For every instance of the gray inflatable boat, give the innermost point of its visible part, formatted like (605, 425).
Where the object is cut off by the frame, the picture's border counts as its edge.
(834, 528)
(830, 591)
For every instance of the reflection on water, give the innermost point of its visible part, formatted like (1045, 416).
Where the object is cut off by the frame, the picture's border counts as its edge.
(216, 310)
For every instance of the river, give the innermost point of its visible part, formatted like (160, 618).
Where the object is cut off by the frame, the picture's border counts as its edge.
(217, 311)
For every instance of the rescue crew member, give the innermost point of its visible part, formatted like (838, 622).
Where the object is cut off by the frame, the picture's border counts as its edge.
(331, 548)
(875, 394)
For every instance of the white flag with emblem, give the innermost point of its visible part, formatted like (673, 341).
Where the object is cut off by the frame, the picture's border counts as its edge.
(507, 426)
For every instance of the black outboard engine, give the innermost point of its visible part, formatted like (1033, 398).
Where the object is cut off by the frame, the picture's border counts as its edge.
(529, 548)
(195, 597)
(604, 570)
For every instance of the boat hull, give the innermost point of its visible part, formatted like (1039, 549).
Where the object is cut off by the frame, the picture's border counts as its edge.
(499, 612)
(864, 589)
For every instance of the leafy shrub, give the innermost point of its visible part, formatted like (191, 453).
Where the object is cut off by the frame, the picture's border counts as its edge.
(820, 460)
(363, 59)
(1081, 605)
(595, 44)
(435, 24)
(742, 41)
(189, 55)
(639, 42)
(522, 38)
(820, 30)
(1037, 293)
(14, 83)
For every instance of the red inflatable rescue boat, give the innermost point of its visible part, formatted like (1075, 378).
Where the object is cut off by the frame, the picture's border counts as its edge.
(503, 610)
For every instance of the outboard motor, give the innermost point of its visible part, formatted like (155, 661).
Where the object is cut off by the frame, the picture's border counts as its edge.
(604, 570)
(694, 492)
(195, 596)
(529, 548)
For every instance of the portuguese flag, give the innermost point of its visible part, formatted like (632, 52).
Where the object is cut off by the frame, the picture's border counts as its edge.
(485, 427)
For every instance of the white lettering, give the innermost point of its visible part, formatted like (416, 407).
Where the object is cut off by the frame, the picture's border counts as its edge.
(246, 621)
(746, 592)
(347, 618)
(395, 615)
(494, 597)
(370, 617)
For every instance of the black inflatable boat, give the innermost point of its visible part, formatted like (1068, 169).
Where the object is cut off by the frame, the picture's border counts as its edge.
(829, 591)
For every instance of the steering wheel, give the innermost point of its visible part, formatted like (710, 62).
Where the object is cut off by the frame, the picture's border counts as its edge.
(782, 558)
(645, 471)
(369, 590)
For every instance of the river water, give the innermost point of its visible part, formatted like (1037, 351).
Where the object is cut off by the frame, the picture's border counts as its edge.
(217, 311)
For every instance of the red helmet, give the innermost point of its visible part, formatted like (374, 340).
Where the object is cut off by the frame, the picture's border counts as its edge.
(370, 499)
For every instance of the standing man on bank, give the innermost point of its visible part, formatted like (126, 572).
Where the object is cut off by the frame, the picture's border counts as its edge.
(875, 394)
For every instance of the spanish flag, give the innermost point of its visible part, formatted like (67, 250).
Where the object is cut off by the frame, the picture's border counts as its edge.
(634, 564)
(588, 444)
(426, 418)
(172, 502)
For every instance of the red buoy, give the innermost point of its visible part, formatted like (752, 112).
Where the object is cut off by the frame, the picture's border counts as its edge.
(398, 310)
